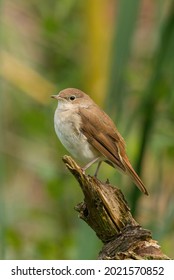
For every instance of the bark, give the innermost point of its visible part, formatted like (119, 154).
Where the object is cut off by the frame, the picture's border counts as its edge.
(106, 211)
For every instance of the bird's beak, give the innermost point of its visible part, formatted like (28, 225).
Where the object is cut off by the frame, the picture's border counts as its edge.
(55, 96)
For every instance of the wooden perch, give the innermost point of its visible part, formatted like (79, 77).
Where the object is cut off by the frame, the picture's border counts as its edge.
(106, 211)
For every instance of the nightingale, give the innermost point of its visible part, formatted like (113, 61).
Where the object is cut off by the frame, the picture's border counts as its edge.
(89, 134)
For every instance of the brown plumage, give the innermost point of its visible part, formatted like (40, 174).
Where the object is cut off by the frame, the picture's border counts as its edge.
(100, 132)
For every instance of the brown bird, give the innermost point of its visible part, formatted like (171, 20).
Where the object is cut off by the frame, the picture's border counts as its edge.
(89, 134)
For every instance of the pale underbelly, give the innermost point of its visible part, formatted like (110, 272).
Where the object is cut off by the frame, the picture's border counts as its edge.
(76, 144)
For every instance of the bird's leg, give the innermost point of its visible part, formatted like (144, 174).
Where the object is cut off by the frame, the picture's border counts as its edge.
(98, 166)
(90, 163)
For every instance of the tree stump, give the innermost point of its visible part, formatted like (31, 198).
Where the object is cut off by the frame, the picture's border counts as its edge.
(106, 211)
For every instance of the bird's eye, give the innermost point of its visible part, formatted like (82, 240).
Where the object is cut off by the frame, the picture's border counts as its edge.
(72, 97)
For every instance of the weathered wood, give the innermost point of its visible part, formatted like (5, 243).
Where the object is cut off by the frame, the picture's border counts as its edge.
(106, 211)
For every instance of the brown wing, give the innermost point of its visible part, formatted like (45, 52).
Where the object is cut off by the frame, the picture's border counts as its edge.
(103, 135)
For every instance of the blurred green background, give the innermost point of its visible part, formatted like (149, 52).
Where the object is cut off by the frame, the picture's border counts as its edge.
(121, 53)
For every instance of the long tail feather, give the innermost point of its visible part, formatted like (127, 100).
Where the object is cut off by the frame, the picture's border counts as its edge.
(136, 179)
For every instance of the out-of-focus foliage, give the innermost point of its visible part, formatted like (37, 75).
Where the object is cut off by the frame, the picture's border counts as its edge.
(120, 53)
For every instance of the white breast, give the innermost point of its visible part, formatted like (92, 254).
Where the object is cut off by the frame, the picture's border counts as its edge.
(67, 127)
